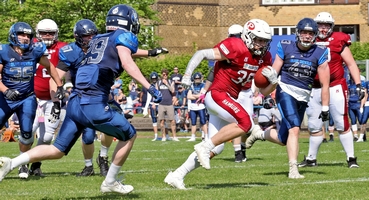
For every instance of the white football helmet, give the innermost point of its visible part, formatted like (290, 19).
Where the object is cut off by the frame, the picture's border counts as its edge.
(256, 28)
(235, 30)
(47, 25)
(325, 17)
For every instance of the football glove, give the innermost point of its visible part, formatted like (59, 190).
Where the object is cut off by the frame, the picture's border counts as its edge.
(201, 99)
(157, 51)
(360, 91)
(60, 93)
(55, 112)
(11, 94)
(270, 73)
(156, 94)
(186, 81)
(324, 115)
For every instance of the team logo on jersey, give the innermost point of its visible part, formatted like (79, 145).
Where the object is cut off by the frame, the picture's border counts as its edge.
(231, 106)
(224, 49)
(251, 67)
(250, 26)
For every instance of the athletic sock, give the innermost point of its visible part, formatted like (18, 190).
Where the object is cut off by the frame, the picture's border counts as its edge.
(347, 142)
(112, 174)
(314, 144)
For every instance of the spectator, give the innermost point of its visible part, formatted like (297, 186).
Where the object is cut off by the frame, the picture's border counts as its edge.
(180, 103)
(257, 101)
(166, 108)
(133, 90)
(176, 78)
(117, 87)
(127, 107)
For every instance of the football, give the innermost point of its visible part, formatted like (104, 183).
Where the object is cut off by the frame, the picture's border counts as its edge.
(260, 80)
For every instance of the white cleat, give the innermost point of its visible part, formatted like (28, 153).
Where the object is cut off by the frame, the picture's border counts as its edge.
(5, 164)
(117, 187)
(294, 172)
(203, 155)
(175, 139)
(191, 140)
(154, 139)
(256, 134)
(174, 181)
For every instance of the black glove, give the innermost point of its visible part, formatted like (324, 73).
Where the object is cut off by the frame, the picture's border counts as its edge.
(324, 115)
(157, 51)
(11, 94)
(55, 112)
(60, 93)
(360, 91)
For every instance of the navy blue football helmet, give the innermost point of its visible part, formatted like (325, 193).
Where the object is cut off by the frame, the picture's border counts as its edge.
(122, 17)
(306, 24)
(20, 28)
(154, 77)
(84, 27)
(196, 77)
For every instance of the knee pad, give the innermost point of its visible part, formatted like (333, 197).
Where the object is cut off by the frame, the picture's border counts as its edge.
(88, 136)
(354, 127)
(26, 140)
(218, 149)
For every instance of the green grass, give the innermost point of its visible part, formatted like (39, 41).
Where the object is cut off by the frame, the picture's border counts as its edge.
(263, 176)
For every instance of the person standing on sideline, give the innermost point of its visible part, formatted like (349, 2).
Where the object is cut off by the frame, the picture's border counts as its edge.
(18, 61)
(338, 44)
(237, 60)
(47, 32)
(88, 104)
(166, 108)
(176, 78)
(197, 109)
(297, 63)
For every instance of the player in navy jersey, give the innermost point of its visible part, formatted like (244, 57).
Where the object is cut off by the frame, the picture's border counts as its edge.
(355, 105)
(18, 61)
(108, 56)
(365, 115)
(339, 53)
(297, 64)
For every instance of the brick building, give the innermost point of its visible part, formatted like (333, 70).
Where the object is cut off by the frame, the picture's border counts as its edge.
(190, 24)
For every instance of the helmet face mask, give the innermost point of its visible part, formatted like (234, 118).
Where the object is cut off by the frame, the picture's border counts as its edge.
(83, 31)
(18, 29)
(122, 17)
(47, 32)
(257, 36)
(306, 32)
(324, 18)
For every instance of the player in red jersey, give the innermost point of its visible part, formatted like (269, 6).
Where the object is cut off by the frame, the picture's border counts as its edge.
(340, 53)
(46, 32)
(237, 61)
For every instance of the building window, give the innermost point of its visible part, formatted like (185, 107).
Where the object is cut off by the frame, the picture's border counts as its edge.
(271, 2)
(283, 30)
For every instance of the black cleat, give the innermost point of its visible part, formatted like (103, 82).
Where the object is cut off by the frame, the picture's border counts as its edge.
(325, 140)
(308, 163)
(87, 171)
(103, 164)
(331, 138)
(352, 163)
(23, 171)
(36, 169)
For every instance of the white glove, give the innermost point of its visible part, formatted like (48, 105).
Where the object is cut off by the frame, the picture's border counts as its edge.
(186, 81)
(271, 74)
(361, 110)
(145, 112)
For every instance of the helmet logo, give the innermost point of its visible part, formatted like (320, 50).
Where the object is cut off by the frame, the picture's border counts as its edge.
(115, 10)
(250, 26)
(27, 31)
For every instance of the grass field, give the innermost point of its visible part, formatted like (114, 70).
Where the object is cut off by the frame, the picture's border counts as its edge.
(263, 176)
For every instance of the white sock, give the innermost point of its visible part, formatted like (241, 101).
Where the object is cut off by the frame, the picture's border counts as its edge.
(156, 135)
(88, 162)
(347, 142)
(237, 147)
(189, 165)
(209, 144)
(112, 174)
(22, 159)
(193, 136)
(314, 144)
(104, 151)
(202, 134)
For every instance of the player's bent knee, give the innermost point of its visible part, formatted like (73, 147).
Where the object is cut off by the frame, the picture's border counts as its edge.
(26, 141)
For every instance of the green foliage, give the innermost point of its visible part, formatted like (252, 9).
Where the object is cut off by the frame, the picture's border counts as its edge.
(148, 65)
(262, 176)
(67, 13)
(360, 51)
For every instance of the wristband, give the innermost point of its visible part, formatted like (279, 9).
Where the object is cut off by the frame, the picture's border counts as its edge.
(325, 108)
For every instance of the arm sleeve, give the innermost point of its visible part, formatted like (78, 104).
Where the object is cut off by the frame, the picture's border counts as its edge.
(197, 58)
(211, 75)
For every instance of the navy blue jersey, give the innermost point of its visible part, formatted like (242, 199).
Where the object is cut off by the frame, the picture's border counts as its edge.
(101, 64)
(18, 71)
(71, 55)
(300, 68)
(195, 89)
(353, 95)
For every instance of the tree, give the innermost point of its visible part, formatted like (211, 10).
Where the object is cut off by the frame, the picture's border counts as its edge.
(67, 13)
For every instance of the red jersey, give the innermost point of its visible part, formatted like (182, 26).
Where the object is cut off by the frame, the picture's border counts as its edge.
(236, 73)
(336, 42)
(41, 81)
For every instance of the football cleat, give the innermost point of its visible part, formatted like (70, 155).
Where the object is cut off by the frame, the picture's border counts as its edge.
(203, 155)
(102, 162)
(351, 163)
(117, 187)
(23, 171)
(175, 181)
(5, 164)
(87, 171)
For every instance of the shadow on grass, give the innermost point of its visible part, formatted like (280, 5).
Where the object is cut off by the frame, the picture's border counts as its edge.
(231, 185)
(285, 173)
(108, 196)
(230, 159)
